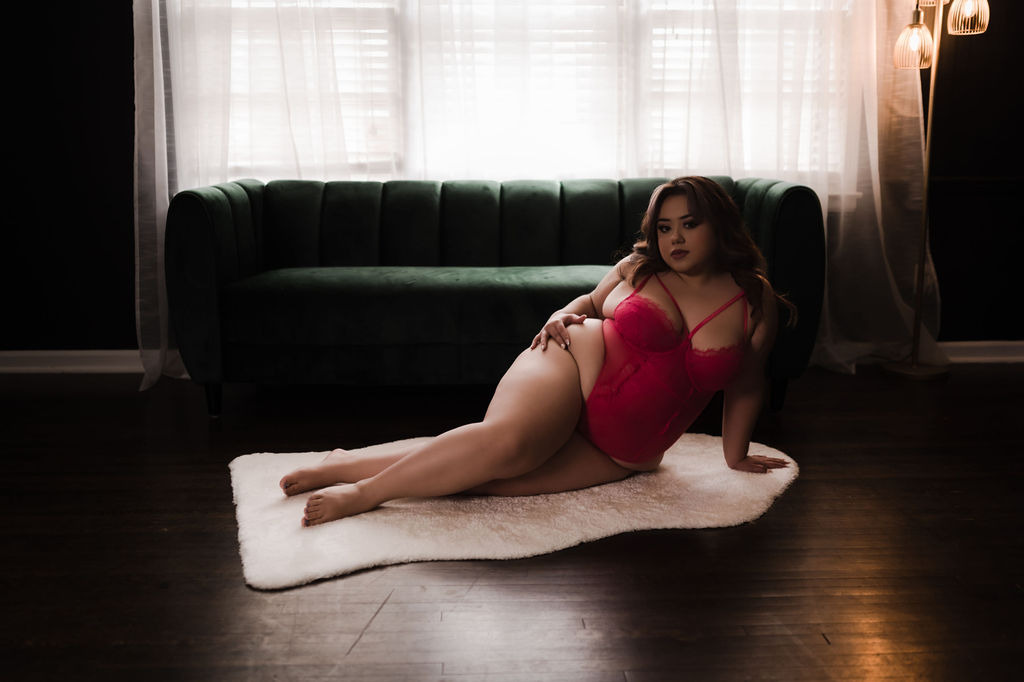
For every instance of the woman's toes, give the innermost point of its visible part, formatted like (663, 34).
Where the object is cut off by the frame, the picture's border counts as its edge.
(290, 483)
(333, 503)
(300, 481)
(312, 515)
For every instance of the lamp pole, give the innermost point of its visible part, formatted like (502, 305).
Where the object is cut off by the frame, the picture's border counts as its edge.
(915, 370)
(915, 49)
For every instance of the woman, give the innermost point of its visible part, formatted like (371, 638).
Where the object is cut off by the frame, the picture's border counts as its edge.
(634, 362)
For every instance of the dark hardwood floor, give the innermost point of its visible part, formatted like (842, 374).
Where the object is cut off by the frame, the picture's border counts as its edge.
(897, 554)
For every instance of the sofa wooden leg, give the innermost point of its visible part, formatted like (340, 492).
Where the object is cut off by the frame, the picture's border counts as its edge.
(214, 392)
(777, 394)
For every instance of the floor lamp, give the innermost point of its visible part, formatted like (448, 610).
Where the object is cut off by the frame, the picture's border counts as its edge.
(917, 48)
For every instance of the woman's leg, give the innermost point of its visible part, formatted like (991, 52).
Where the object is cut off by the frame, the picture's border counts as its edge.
(577, 465)
(533, 413)
(345, 466)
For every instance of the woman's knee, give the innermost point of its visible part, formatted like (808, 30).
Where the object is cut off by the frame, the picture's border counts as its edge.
(513, 451)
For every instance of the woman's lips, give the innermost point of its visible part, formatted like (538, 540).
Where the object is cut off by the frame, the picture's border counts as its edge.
(679, 253)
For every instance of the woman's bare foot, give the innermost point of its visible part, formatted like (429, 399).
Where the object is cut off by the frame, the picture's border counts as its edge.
(328, 472)
(336, 502)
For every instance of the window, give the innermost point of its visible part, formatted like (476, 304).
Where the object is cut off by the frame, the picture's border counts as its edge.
(393, 88)
(760, 88)
(512, 89)
(315, 84)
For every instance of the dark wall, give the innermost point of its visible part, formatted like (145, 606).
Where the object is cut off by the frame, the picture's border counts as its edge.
(67, 262)
(67, 259)
(977, 229)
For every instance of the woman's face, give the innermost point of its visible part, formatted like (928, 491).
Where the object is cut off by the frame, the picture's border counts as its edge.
(686, 246)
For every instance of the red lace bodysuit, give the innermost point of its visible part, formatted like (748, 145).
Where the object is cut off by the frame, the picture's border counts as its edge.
(653, 383)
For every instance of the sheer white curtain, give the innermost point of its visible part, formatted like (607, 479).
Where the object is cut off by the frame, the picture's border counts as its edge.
(152, 196)
(284, 89)
(873, 224)
(799, 90)
(501, 89)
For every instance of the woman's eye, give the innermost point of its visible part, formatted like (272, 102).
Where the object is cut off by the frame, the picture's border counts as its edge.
(663, 228)
(690, 226)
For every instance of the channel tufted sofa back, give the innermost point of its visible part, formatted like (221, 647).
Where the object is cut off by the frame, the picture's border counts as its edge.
(306, 223)
(257, 273)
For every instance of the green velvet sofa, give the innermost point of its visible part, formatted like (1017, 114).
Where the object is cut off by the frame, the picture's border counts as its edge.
(428, 283)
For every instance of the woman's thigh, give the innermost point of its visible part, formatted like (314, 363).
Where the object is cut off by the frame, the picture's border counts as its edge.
(537, 403)
(578, 464)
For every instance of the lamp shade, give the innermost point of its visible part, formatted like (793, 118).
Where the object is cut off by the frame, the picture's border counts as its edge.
(967, 17)
(931, 3)
(914, 46)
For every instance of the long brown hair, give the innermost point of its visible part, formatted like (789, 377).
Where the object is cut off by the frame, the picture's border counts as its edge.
(735, 250)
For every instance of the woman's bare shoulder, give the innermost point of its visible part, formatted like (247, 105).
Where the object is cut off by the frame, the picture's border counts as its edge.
(626, 267)
(618, 273)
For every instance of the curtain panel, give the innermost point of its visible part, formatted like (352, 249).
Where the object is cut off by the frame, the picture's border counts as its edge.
(153, 189)
(799, 90)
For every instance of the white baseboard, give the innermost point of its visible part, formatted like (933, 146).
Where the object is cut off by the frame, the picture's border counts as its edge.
(70, 362)
(963, 352)
(128, 361)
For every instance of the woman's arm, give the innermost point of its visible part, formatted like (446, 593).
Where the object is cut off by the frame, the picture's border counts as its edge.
(579, 309)
(745, 395)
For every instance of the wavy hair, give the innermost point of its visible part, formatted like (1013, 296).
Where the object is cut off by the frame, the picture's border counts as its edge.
(735, 252)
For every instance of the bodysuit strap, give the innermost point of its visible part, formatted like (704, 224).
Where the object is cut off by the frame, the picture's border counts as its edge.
(636, 291)
(723, 307)
(681, 316)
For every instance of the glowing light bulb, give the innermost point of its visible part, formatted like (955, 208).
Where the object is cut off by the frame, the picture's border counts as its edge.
(914, 46)
(968, 17)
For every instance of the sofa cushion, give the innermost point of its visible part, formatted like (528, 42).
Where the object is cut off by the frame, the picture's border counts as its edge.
(292, 223)
(471, 223)
(590, 222)
(350, 223)
(346, 306)
(410, 223)
(531, 215)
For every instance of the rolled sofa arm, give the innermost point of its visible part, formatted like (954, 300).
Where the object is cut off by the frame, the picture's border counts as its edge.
(212, 238)
(786, 221)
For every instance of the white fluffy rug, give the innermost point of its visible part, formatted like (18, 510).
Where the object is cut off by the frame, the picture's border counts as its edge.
(693, 488)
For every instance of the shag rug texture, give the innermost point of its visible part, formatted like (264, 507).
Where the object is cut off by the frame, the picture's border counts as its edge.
(693, 488)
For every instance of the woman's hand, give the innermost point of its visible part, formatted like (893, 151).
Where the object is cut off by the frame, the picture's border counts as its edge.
(555, 330)
(759, 464)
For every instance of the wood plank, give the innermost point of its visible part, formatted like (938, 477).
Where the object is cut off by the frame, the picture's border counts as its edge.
(897, 554)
